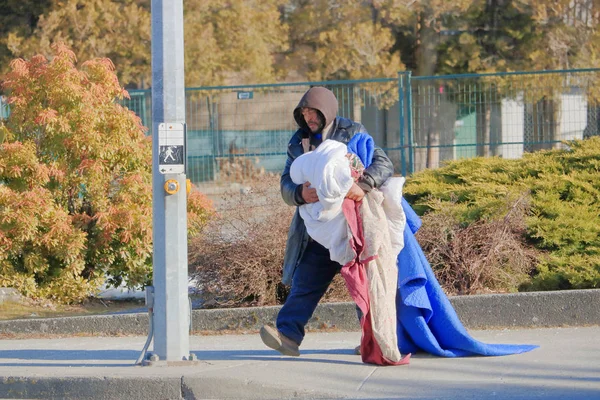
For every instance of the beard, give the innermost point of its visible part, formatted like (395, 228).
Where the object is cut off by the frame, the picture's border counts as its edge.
(316, 126)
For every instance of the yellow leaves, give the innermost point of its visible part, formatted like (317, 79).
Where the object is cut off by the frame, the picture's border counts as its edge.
(19, 67)
(240, 37)
(343, 42)
(91, 166)
(20, 215)
(544, 12)
(103, 83)
(24, 283)
(63, 52)
(69, 287)
(467, 39)
(103, 28)
(4, 133)
(5, 244)
(55, 172)
(564, 35)
(46, 116)
(19, 164)
(76, 176)
(34, 263)
(14, 171)
(403, 12)
(39, 233)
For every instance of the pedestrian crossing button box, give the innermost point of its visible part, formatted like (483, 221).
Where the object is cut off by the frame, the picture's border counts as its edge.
(171, 148)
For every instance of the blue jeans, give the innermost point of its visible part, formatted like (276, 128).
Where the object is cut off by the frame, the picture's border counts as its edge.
(312, 277)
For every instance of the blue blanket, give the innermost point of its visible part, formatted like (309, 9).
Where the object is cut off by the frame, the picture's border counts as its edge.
(426, 319)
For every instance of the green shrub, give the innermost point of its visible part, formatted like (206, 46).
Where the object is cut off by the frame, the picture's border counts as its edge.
(563, 216)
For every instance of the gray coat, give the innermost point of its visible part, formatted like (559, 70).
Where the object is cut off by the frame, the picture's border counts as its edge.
(373, 177)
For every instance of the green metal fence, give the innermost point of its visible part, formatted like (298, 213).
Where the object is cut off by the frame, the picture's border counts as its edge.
(238, 132)
(503, 115)
(235, 133)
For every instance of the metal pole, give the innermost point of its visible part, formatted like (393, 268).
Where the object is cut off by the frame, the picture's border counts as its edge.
(402, 108)
(169, 203)
(409, 106)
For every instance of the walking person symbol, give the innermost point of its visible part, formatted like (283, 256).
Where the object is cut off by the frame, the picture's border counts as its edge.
(169, 153)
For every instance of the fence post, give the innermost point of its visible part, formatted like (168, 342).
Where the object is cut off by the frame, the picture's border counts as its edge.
(401, 115)
(409, 125)
(405, 104)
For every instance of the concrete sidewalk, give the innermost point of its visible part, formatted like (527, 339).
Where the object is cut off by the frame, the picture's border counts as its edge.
(566, 325)
(566, 366)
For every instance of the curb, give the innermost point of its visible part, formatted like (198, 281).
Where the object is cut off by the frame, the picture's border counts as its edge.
(532, 309)
(147, 388)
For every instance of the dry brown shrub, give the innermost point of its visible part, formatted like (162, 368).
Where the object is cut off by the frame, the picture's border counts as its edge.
(239, 167)
(337, 291)
(483, 257)
(238, 260)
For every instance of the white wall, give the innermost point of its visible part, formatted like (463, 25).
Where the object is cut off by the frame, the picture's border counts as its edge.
(573, 116)
(513, 127)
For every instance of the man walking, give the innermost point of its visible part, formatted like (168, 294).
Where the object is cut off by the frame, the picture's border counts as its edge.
(307, 264)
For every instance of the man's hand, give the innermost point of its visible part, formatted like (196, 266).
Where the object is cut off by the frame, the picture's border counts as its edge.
(309, 194)
(355, 193)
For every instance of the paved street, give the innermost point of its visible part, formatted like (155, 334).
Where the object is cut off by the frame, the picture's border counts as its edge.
(566, 366)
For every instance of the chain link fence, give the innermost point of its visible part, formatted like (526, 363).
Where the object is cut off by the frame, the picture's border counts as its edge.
(236, 133)
(503, 115)
(240, 132)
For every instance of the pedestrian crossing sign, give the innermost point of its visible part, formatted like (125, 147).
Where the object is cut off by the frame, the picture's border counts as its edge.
(171, 148)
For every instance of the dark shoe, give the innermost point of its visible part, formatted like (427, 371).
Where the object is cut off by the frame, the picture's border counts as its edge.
(357, 350)
(278, 341)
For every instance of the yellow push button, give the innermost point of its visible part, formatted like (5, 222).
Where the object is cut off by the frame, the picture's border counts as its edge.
(171, 186)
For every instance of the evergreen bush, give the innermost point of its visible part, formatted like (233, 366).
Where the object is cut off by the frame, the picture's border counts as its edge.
(562, 218)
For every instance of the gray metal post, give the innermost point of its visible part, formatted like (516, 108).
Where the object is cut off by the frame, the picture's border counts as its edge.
(169, 208)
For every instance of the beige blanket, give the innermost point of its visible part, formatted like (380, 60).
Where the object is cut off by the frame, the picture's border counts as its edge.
(382, 273)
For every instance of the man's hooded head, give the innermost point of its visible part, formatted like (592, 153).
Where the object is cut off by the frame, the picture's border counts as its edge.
(321, 99)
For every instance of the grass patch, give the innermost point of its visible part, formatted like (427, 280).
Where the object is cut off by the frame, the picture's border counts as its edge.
(27, 309)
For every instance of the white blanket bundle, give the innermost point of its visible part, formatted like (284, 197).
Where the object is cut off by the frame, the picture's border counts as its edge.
(328, 171)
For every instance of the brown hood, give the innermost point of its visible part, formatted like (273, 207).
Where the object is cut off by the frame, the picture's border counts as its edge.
(321, 99)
